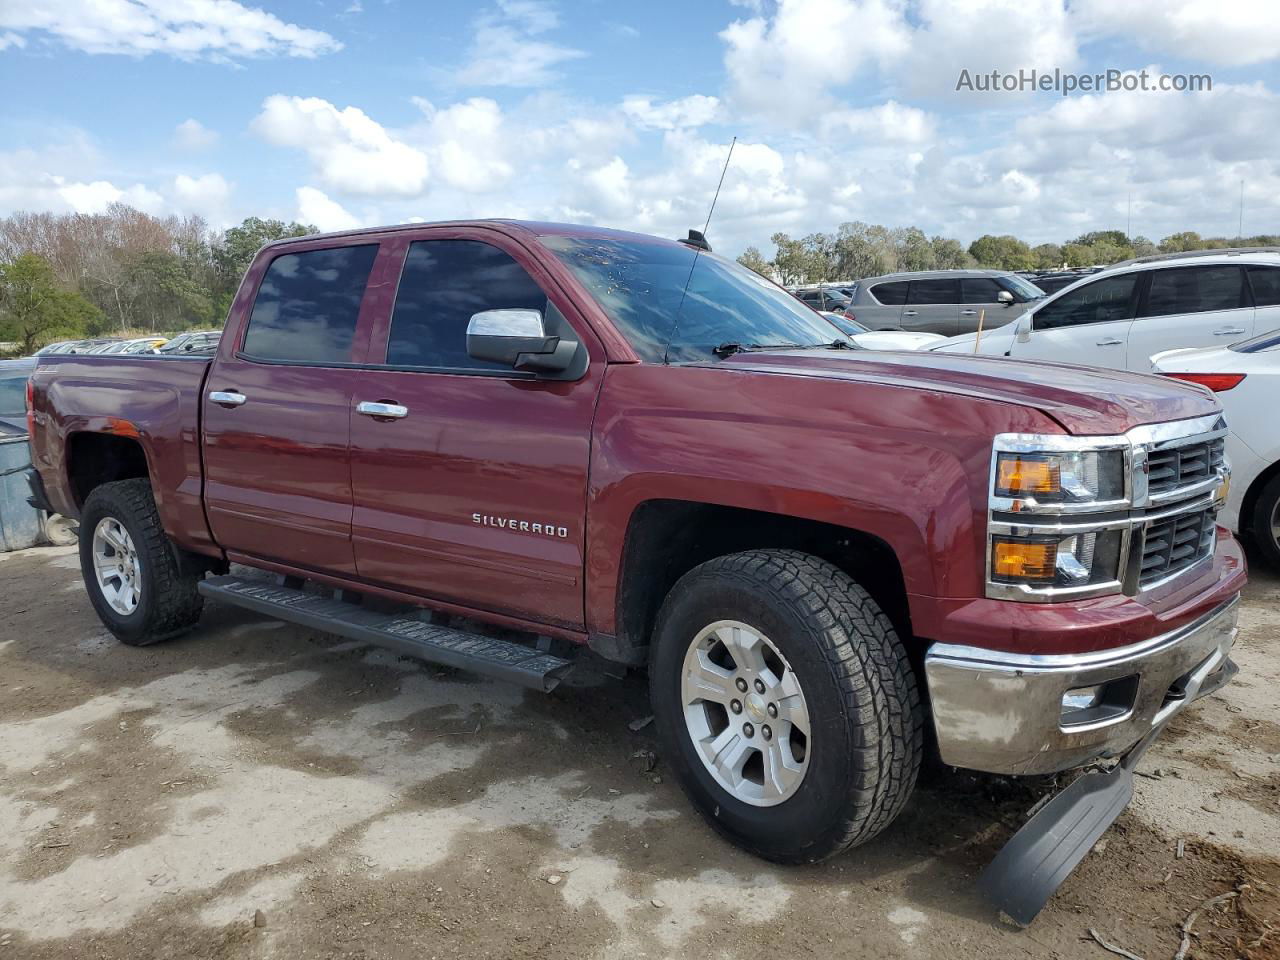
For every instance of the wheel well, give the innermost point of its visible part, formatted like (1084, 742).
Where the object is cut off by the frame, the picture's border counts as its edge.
(98, 458)
(1250, 500)
(668, 538)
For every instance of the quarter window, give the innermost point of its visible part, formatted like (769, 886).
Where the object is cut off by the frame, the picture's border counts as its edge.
(933, 292)
(890, 294)
(1266, 286)
(308, 304)
(443, 283)
(1102, 301)
(1194, 290)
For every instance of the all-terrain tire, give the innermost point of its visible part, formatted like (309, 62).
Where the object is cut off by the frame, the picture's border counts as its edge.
(1260, 524)
(864, 706)
(169, 603)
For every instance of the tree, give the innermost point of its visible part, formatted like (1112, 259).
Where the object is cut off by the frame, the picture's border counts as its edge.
(1004, 253)
(33, 309)
(1142, 247)
(1180, 242)
(1116, 238)
(753, 259)
(1048, 256)
(162, 294)
(948, 254)
(914, 250)
(233, 254)
(791, 262)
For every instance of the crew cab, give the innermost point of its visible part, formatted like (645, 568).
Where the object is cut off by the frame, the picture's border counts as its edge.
(585, 439)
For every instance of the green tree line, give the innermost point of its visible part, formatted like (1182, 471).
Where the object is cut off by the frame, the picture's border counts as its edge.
(83, 275)
(858, 250)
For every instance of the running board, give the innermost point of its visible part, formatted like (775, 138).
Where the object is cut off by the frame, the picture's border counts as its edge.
(404, 634)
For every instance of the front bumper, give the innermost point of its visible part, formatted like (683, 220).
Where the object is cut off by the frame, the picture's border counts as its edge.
(1003, 712)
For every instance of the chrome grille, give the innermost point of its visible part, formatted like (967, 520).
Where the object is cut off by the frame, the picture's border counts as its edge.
(1182, 466)
(1175, 543)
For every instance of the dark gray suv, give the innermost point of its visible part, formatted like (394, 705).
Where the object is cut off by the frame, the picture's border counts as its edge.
(949, 302)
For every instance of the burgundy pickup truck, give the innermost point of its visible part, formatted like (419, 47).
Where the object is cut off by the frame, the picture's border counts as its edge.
(829, 560)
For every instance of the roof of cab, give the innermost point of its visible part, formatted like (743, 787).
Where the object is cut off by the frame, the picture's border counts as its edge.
(528, 227)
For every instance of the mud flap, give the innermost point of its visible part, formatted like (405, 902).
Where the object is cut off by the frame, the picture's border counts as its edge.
(1032, 865)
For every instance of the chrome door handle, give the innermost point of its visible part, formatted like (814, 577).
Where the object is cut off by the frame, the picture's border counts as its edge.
(392, 411)
(908, 313)
(1110, 342)
(228, 398)
(1228, 331)
(968, 313)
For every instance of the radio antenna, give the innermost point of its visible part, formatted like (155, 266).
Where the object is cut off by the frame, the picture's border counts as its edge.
(699, 243)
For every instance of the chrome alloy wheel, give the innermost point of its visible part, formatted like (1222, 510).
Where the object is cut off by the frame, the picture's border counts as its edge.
(1275, 524)
(115, 563)
(746, 713)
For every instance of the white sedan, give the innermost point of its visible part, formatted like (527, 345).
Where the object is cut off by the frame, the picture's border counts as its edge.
(1246, 379)
(869, 339)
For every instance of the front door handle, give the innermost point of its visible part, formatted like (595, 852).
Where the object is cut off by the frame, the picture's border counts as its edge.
(908, 313)
(392, 411)
(1228, 331)
(228, 398)
(968, 313)
(1110, 342)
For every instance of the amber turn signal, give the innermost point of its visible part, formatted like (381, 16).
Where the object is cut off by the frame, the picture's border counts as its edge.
(1018, 476)
(1020, 560)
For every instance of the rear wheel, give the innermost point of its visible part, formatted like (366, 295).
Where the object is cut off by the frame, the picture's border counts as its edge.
(1265, 523)
(132, 573)
(785, 703)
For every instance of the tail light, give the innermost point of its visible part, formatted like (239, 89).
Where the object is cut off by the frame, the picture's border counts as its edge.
(31, 409)
(1217, 382)
(848, 315)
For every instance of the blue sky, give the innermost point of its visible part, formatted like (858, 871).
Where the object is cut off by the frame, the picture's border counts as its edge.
(376, 111)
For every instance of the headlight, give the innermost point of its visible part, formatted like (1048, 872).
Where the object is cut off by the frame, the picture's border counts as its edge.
(1059, 476)
(1066, 560)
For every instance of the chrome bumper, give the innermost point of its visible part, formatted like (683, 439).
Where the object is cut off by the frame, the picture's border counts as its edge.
(1003, 712)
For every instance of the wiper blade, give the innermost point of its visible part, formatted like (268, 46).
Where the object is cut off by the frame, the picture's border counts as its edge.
(729, 349)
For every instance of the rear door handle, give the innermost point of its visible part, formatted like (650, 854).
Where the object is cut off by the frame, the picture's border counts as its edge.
(1110, 342)
(968, 313)
(392, 411)
(908, 313)
(1228, 331)
(228, 398)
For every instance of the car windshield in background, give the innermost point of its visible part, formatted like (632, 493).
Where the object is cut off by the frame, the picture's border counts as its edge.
(13, 396)
(1260, 344)
(850, 327)
(641, 286)
(1024, 288)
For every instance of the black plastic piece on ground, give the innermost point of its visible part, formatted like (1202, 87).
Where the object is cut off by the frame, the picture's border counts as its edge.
(1029, 868)
(401, 632)
(38, 499)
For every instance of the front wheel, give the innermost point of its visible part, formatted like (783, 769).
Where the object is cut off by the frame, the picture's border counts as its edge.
(786, 704)
(135, 582)
(1265, 522)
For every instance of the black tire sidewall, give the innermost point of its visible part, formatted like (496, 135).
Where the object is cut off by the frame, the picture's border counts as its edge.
(806, 820)
(1260, 522)
(136, 627)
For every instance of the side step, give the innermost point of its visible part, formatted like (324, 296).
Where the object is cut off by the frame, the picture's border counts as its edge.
(404, 634)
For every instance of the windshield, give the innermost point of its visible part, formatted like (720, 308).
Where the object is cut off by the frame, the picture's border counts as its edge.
(1260, 344)
(641, 286)
(1023, 288)
(850, 327)
(13, 396)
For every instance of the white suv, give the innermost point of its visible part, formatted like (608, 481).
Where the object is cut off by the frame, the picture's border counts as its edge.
(1121, 316)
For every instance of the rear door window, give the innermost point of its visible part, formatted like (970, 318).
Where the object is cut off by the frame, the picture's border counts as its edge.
(890, 294)
(932, 292)
(308, 304)
(1195, 290)
(1266, 286)
(1102, 301)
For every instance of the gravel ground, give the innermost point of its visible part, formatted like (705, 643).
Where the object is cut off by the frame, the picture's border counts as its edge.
(255, 790)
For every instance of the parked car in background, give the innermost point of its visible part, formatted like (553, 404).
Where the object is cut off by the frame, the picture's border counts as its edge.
(93, 345)
(139, 345)
(1121, 316)
(1245, 377)
(1057, 280)
(193, 342)
(947, 302)
(823, 298)
(867, 339)
(61, 346)
(13, 392)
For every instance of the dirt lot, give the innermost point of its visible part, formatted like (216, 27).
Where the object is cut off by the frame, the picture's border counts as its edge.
(153, 801)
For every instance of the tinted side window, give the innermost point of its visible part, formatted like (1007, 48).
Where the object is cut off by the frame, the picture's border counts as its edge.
(1194, 290)
(1266, 286)
(1102, 301)
(890, 294)
(979, 290)
(942, 290)
(308, 303)
(444, 282)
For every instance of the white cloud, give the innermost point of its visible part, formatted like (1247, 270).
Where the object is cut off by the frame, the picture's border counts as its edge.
(1229, 34)
(186, 29)
(467, 145)
(506, 50)
(95, 197)
(889, 122)
(349, 150)
(314, 206)
(208, 195)
(10, 39)
(193, 135)
(691, 111)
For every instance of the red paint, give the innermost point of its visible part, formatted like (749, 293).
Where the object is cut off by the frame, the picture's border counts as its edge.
(894, 445)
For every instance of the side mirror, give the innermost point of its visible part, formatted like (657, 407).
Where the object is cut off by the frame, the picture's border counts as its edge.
(1022, 328)
(1005, 297)
(519, 339)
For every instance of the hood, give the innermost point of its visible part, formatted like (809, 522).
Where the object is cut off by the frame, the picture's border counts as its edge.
(995, 342)
(1084, 400)
(896, 340)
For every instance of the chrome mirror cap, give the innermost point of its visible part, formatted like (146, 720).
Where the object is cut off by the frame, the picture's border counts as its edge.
(517, 322)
